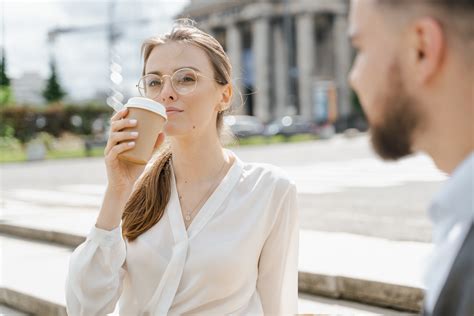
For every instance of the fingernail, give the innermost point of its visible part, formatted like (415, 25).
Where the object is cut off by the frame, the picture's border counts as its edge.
(134, 134)
(131, 144)
(133, 121)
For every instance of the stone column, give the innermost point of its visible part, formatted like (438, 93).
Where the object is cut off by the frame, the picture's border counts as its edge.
(234, 50)
(206, 27)
(281, 70)
(343, 58)
(306, 56)
(261, 51)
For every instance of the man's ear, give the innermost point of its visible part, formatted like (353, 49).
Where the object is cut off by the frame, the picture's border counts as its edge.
(428, 43)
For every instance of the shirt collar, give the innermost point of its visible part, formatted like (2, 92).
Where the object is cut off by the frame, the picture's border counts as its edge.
(454, 202)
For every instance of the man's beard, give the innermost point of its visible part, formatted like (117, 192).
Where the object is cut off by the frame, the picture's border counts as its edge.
(392, 138)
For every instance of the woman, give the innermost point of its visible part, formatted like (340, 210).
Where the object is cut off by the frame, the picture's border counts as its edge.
(200, 231)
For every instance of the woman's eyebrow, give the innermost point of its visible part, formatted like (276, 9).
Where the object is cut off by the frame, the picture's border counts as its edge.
(156, 72)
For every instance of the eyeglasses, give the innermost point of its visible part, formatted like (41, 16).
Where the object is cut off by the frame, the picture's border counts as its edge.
(183, 81)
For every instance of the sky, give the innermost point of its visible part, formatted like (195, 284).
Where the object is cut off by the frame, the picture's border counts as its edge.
(81, 57)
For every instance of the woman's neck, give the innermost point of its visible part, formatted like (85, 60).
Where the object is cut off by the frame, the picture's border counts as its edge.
(194, 162)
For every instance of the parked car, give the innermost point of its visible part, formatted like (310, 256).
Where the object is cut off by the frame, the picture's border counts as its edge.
(291, 125)
(244, 125)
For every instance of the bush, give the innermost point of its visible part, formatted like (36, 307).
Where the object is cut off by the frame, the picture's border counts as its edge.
(56, 119)
(6, 96)
(9, 144)
(46, 139)
(22, 120)
(6, 131)
(86, 116)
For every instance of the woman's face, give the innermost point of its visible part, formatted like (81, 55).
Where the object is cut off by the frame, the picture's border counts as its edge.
(193, 113)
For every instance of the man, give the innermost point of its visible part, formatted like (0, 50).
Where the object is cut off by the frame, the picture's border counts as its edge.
(414, 75)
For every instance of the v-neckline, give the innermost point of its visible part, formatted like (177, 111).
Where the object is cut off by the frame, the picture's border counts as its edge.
(210, 206)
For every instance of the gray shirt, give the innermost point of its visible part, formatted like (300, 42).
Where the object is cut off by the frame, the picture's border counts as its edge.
(452, 213)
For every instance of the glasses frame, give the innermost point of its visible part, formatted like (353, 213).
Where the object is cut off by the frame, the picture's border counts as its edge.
(197, 74)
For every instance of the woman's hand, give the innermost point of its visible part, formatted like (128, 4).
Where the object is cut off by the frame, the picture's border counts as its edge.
(122, 175)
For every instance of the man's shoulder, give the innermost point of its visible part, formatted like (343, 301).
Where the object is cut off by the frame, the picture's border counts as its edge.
(457, 294)
(457, 194)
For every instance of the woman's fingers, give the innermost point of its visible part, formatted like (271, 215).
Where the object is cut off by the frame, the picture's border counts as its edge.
(119, 115)
(119, 137)
(117, 126)
(118, 149)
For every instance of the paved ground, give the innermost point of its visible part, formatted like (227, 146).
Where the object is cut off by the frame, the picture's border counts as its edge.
(343, 186)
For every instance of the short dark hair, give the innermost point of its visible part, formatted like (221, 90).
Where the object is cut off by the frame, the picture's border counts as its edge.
(456, 15)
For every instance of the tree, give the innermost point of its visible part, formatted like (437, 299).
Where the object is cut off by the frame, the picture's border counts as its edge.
(4, 80)
(53, 91)
(6, 96)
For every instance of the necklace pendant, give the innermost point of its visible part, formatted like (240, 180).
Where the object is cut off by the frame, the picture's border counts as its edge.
(188, 218)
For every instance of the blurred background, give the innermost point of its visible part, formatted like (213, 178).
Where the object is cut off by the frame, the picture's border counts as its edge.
(67, 64)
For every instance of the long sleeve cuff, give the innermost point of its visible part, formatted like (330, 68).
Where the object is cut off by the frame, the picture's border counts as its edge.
(105, 238)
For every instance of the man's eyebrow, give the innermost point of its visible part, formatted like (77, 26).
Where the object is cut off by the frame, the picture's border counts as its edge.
(157, 72)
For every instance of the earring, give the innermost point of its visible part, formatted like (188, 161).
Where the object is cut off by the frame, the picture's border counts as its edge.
(222, 108)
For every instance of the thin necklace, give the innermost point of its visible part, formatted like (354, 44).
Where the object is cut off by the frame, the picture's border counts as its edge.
(189, 215)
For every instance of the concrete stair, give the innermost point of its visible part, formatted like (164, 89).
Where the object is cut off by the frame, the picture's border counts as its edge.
(39, 288)
(334, 265)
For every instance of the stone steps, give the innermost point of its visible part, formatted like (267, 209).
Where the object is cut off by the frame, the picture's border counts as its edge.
(339, 266)
(36, 274)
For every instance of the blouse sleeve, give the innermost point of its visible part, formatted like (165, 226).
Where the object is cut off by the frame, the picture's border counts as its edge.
(277, 282)
(94, 281)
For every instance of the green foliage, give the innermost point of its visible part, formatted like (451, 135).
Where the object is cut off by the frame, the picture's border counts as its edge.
(267, 140)
(9, 143)
(46, 139)
(53, 91)
(26, 122)
(4, 80)
(88, 114)
(7, 131)
(21, 119)
(10, 147)
(6, 95)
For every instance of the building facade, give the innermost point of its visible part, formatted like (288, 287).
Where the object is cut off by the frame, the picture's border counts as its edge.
(282, 52)
(28, 89)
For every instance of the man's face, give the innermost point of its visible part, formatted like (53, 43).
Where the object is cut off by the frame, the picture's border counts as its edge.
(379, 79)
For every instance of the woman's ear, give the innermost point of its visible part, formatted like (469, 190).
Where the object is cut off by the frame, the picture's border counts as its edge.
(226, 98)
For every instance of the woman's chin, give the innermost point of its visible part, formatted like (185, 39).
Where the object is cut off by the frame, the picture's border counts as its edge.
(175, 131)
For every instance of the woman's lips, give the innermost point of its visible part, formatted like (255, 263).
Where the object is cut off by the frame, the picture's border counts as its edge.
(173, 110)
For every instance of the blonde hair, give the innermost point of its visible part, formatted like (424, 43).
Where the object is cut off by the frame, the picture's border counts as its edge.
(148, 201)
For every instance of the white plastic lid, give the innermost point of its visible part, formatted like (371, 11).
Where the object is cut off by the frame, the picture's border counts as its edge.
(147, 104)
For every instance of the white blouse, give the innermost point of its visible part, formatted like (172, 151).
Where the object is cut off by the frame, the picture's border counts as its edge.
(239, 255)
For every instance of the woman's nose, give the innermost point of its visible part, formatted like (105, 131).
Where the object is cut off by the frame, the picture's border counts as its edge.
(167, 92)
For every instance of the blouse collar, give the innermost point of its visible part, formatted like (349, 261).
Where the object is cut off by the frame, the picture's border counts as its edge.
(209, 208)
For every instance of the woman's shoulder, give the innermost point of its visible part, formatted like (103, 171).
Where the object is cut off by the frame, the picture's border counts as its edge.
(267, 174)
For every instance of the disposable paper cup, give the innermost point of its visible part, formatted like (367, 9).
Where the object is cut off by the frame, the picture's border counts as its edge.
(151, 118)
